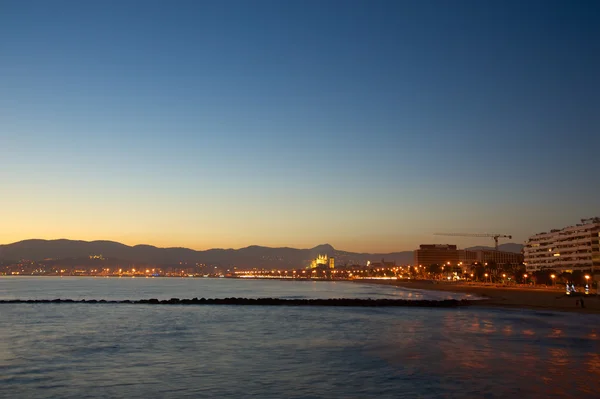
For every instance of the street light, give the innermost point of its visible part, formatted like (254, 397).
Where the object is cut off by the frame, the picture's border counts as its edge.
(552, 276)
(587, 279)
(587, 287)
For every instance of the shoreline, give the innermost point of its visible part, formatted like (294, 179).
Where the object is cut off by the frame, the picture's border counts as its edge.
(505, 297)
(493, 296)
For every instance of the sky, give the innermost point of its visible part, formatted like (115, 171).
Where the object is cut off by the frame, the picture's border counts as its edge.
(368, 125)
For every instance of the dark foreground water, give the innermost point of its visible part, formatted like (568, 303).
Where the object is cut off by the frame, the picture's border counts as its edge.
(139, 351)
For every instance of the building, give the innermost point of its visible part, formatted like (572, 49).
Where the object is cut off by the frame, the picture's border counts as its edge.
(567, 249)
(434, 254)
(382, 264)
(498, 257)
(468, 257)
(428, 255)
(332, 263)
(321, 260)
(538, 251)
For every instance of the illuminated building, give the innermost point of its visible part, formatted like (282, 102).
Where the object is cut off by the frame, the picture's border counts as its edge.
(332, 263)
(321, 260)
(570, 248)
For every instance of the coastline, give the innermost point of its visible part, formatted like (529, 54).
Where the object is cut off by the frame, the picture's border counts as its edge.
(505, 297)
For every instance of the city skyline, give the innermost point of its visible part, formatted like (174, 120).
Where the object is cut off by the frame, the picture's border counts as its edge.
(366, 126)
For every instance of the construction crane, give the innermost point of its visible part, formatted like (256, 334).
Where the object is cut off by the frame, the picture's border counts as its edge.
(494, 236)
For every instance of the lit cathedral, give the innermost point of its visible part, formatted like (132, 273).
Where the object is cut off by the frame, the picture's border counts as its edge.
(323, 261)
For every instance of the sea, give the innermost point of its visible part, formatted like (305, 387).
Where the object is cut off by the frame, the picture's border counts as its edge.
(78, 350)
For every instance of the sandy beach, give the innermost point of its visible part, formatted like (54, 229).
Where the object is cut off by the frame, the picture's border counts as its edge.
(508, 297)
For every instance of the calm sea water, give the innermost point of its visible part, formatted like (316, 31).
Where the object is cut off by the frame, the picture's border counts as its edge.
(144, 351)
(166, 288)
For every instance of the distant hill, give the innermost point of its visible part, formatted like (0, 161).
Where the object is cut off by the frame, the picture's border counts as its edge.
(508, 247)
(249, 257)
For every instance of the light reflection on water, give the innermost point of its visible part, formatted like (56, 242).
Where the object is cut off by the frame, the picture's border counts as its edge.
(165, 288)
(141, 351)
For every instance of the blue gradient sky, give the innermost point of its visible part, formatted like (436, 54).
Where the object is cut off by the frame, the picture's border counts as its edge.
(369, 125)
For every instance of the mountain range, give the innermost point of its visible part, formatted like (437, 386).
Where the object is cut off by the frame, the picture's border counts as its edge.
(248, 257)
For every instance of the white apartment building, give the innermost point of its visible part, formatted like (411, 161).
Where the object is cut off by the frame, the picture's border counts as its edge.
(571, 248)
